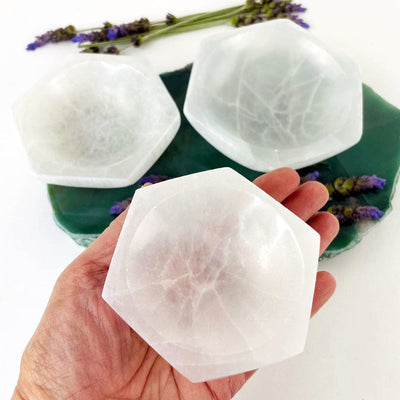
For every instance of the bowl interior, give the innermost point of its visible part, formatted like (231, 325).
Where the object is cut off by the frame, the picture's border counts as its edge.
(280, 91)
(94, 114)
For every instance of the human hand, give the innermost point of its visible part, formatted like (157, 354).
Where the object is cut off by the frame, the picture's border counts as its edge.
(83, 350)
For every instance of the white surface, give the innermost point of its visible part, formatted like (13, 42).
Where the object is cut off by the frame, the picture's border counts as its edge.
(230, 287)
(353, 348)
(243, 104)
(99, 129)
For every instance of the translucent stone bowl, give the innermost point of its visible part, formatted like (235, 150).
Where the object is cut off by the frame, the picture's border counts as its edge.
(96, 121)
(272, 95)
(213, 273)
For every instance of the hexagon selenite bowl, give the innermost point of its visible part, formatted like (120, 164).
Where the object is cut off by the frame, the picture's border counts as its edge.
(214, 274)
(272, 95)
(96, 121)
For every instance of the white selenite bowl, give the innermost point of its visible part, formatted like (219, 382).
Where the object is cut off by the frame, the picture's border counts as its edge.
(96, 121)
(213, 273)
(273, 95)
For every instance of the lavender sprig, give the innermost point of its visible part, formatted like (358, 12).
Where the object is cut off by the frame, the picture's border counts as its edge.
(58, 35)
(355, 184)
(347, 214)
(142, 30)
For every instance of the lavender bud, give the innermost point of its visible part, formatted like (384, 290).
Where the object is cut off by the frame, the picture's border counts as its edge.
(120, 206)
(297, 8)
(299, 21)
(136, 40)
(112, 34)
(343, 185)
(154, 179)
(312, 176)
(330, 188)
(92, 49)
(111, 50)
(250, 3)
(235, 21)
(82, 37)
(170, 19)
(347, 215)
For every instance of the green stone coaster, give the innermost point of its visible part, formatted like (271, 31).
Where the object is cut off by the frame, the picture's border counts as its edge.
(84, 213)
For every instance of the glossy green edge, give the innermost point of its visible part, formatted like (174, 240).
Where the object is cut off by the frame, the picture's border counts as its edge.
(84, 213)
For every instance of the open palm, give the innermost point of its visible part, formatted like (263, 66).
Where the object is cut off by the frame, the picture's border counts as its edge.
(83, 350)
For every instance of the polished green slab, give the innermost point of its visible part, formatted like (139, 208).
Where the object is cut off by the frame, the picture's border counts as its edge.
(84, 213)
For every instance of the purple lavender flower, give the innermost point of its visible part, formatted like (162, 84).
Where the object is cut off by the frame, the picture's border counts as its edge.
(369, 212)
(82, 37)
(270, 9)
(154, 179)
(365, 182)
(113, 33)
(40, 41)
(347, 214)
(299, 21)
(59, 35)
(93, 37)
(31, 46)
(120, 206)
(312, 176)
(297, 8)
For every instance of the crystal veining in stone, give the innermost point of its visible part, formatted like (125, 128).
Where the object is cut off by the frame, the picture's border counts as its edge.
(96, 121)
(272, 95)
(214, 274)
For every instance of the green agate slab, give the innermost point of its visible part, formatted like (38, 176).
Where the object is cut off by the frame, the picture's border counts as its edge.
(378, 153)
(84, 213)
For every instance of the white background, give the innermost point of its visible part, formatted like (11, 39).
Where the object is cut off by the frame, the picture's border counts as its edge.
(353, 348)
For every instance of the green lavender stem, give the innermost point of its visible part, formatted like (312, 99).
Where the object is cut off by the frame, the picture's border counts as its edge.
(184, 24)
(184, 29)
(187, 18)
(216, 18)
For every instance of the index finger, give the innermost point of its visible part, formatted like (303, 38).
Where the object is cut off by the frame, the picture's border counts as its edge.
(279, 184)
